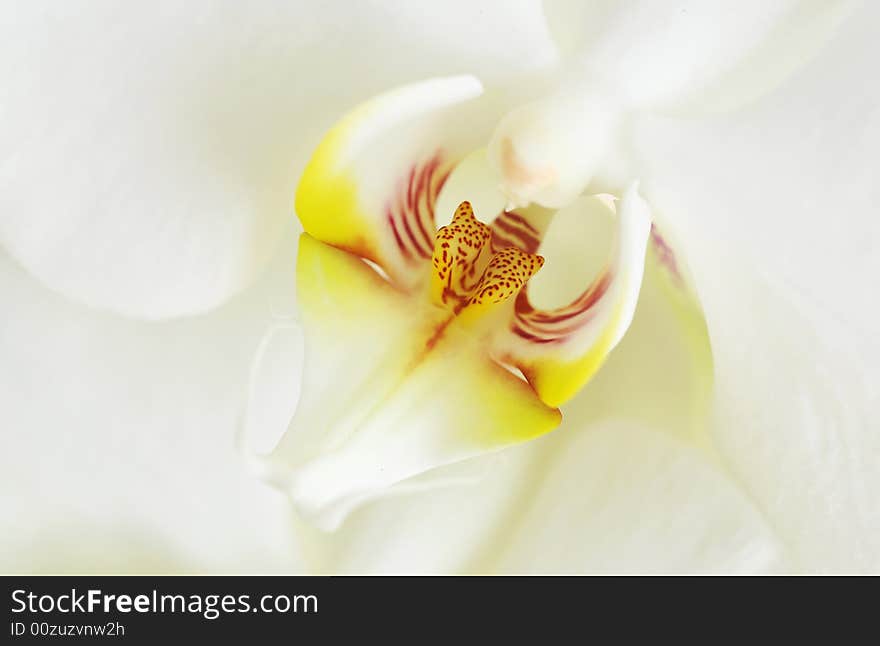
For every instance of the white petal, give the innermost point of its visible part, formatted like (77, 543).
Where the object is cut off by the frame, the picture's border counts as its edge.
(392, 388)
(437, 523)
(658, 377)
(616, 499)
(712, 53)
(117, 451)
(149, 155)
(775, 209)
(440, 530)
(547, 150)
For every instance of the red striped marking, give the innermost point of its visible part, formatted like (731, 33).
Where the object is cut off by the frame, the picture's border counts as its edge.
(549, 326)
(410, 213)
(510, 227)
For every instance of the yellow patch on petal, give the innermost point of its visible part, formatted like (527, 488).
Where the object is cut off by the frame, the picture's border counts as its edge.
(557, 380)
(484, 405)
(333, 283)
(430, 367)
(327, 198)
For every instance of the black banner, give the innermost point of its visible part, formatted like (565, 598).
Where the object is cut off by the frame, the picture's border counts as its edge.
(151, 608)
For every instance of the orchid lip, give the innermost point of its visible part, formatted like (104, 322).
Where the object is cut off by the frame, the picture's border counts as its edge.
(439, 356)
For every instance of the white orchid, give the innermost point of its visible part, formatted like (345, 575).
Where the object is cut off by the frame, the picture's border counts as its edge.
(708, 392)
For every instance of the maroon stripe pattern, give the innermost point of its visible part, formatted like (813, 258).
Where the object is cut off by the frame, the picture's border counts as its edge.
(410, 213)
(553, 326)
(557, 325)
(513, 230)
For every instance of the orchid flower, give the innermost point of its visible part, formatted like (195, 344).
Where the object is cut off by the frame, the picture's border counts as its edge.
(429, 347)
(639, 352)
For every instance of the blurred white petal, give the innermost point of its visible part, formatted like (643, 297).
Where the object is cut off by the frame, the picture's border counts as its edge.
(585, 482)
(621, 499)
(690, 53)
(776, 211)
(687, 56)
(547, 150)
(150, 153)
(438, 531)
(117, 449)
